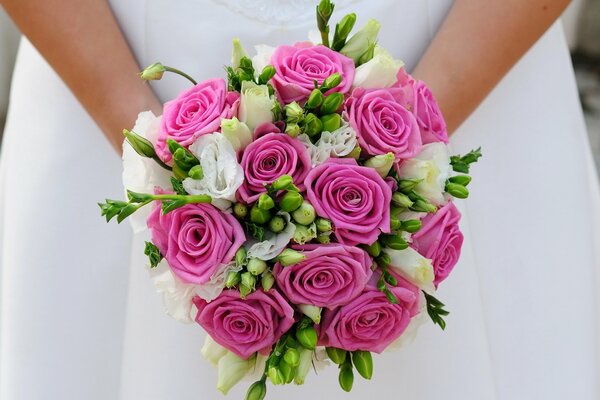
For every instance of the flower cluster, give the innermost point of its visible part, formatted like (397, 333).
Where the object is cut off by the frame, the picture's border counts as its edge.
(300, 210)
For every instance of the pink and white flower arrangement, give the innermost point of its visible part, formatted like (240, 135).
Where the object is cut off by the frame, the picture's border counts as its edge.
(303, 207)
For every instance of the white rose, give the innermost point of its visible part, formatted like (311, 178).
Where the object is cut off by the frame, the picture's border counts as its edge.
(378, 72)
(236, 132)
(256, 104)
(222, 173)
(262, 57)
(142, 174)
(415, 268)
(432, 167)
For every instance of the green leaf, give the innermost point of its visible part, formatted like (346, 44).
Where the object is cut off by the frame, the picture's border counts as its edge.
(170, 205)
(461, 164)
(436, 311)
(153, 254)
(178, 186)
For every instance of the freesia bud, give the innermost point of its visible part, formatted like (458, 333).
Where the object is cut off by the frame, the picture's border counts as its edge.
(395, 224)
(307, 337)
(463, 180)
(304, 366)
(237, 53)
(332, 103)
(342, 30)
(312, 125)
(277, 224)
(457, 190)
(233, 279)
(259, 216)
(196, 172)
(293, 130)
(153, 72)
(395, 242)
(411, 225)
(314, 100)
(338, 356)
(231, 370)
(423, 206)
(240, 210)
(305, 214)
(267, 280)
(367, 55)
(324, 225)
(324, 239)
(407, 185)
(141, 145)
(290, 257)
(384, 260)
(257, 391)
(401, 200)
(238, 133)
(331, 122)
(282, 183)
(381, 163)
(304, 234)
(287, 371)
(324, 11)
(361, 41)
(267, 73)
(275, 375)
(312, 312)
(265, 202)
(346, 377)
(363, 362)
(332, 81)
(373, 249)
(294, 113)
(240, 256)
(255, 267)
(292, 357)
(291, 201)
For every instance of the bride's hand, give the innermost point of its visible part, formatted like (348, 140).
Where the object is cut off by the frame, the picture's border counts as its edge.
(477, 45)
(82, 41)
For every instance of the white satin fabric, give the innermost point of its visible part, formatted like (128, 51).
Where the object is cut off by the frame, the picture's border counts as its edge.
(77, 324)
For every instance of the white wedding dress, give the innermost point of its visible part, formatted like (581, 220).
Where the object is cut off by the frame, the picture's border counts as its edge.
(77, 323)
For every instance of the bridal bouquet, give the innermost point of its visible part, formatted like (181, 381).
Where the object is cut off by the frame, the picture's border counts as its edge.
(302, 210)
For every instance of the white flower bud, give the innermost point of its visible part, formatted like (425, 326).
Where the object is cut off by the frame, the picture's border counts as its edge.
(256, 104)
(236, 132)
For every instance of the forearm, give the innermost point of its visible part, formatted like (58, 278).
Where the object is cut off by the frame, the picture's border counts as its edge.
(477, 45)
(81, 40)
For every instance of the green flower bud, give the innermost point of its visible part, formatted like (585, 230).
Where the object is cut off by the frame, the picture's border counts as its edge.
(342, 30)
(237, 53)
(346, 377)
(332, 81)
(233, 279)
(457, 190)
(257, 391)
(293, 129)
(256, 267)
(367, 55)
(338, 356)
(307, 337)
(391, 279)
(384, 260)
(331, 122)
(355, 153)
(141, 145)
(423, 206)
(401, 200)
(362, 41)
(304, 234)
(461, 179)
(312, 312)
(259, 216)
(411, 225)
(265, 202)
(314, 100)
(373, 249)
(291, 201)
(304, 366)
(287, 371)
(196, 172)
(407, 185)
(312, 125)
(289, 257)
(240, 210)
(275, 376)
(277, 224)
(248, 279)
(324, 11)
(240, 256)
(244, 291)
(395, 224)
(394, 242)
(332, 103)
(294, 113)
(381, 163)
(265, 76)
(267, 280)
(184, 159)
(396, 212)
(324, 225)
(305, 214)
(292, 357)
(282, 183)
(324, 239)
(363, 362)
(153, 72)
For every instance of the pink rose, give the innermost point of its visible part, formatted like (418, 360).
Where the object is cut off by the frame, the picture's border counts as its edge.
(330, 275)
(245, 326)
(269, 157)
(382, 123)
(429, 116)
(196, 239)
(195, 112)
(440, 240)
(355, 198)
(370, 322)
(297, 67)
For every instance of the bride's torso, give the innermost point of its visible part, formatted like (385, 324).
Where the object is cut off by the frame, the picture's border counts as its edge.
(195, 35)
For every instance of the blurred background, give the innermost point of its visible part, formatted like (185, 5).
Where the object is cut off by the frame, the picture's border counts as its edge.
(582, 27)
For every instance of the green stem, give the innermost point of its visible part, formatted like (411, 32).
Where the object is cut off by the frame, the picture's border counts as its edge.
(179, 72)
(198, 198)
(162, 164)
(325, 38)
